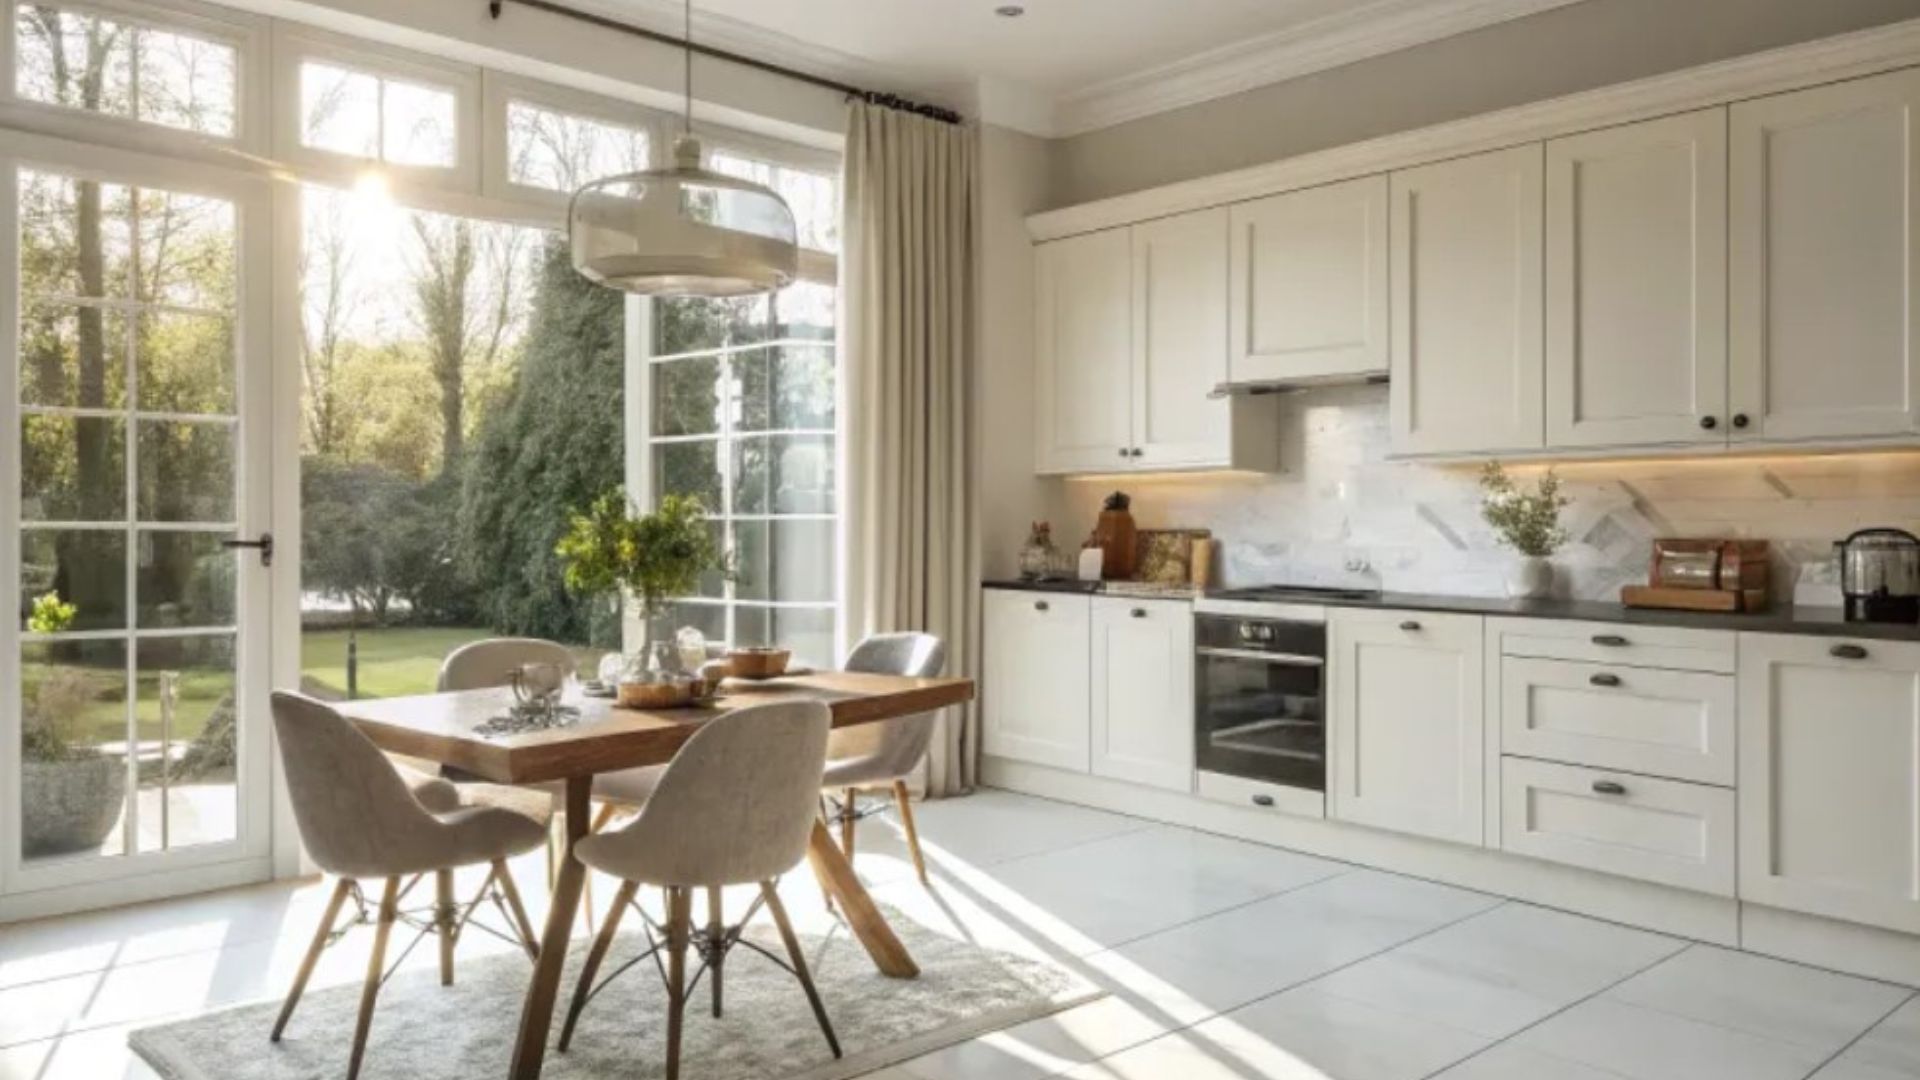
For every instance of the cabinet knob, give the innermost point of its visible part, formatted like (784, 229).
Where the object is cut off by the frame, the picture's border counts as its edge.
(1848, 652)
(1410, 626)
(1609, 787)
(1708, 423)
(1605, 679)
(1139, 613)
(1137, 452)
(1124, 452)
(1740, 420)
(1263, 800)
(1040, 605)
(1611, 641)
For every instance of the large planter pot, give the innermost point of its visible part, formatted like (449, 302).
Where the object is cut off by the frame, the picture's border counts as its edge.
(70, 806)
(1530, 578)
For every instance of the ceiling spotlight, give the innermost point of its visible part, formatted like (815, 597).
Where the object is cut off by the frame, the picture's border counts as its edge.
(1009, 11)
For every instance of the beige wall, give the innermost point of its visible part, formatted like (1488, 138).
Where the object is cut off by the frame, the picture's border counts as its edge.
(1559, 52)
(1015, 180)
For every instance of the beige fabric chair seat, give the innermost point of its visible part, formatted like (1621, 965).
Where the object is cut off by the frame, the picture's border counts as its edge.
(629, 788)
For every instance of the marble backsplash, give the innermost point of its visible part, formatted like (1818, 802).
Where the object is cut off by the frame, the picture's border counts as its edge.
(1341, 513)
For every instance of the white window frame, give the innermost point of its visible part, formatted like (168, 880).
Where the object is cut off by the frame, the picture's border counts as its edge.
(245, 34)
(502, 90)
(293, 48)
(822, 267)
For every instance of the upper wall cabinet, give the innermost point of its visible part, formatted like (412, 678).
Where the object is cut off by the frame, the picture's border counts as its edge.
(1823, 238)
(1466, 270)
(1132, 341)
(1310, 283)
(1085, 397)
(1636, 284)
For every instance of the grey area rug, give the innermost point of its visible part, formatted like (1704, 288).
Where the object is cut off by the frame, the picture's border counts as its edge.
(423, 1031)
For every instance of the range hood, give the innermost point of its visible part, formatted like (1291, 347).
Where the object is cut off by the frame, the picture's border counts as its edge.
(1258, 387)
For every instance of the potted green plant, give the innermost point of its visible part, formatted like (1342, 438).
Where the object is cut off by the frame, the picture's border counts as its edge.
(653, 558)
(1528, 522)
(71, 794)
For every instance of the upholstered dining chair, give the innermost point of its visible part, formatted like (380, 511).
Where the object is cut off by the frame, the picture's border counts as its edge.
(360, 822)
(733, 807)
(885, 755)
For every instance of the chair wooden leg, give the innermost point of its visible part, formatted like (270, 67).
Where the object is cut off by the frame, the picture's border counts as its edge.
(376, 968)
(521, 923)
(595, 957)
(799, 960)
(444, 914)
(604, 817)
(716, 933)
(334, 903)
(904, 800)
(679, 930)
(847, 822)
(825, 819)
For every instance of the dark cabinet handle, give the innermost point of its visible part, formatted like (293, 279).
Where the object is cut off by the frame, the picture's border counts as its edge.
(1137, 452)
(1139, 613)
(1611, 641)
(1740, 420)
(1609, 787)
(1263, 800)
(1409, 626)
(1040, 605)
(1123, 452)
(1848, 652)
(1708, 423)
(1604, 679)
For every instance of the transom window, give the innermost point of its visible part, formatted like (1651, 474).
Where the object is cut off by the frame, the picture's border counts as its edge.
(377, 117)
(105, 64)
(560, 151)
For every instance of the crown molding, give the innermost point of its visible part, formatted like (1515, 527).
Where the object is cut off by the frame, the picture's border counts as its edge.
(1344, 37)
(1793, 67)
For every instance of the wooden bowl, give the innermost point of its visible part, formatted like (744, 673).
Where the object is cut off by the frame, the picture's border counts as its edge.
(758, 663)
(666, 695)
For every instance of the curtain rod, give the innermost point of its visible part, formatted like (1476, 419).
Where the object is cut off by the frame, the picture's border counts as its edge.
(872, 97)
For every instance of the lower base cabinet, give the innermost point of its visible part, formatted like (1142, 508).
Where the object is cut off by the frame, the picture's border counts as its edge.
(1663, 831)
(1830, 777)
(1142, 691)
(1034, 697)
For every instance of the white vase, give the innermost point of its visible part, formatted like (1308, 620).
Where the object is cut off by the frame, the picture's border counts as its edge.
(1530, 577)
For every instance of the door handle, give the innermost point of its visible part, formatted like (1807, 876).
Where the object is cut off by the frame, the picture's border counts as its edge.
(1609, 787)
(264, 546)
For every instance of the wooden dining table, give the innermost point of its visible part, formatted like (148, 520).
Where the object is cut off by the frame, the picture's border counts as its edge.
(442, 728)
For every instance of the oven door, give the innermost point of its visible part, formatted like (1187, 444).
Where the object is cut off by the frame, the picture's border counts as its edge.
(1259, 692)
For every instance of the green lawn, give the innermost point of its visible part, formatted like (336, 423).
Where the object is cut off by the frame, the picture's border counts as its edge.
(394, 661)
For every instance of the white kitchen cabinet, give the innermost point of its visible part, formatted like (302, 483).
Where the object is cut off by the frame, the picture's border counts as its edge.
(1408, 728)
(1830, 777)
(1035, 703)
(1310, 283)
(1619, 823)
(1143, 691)
(1636, 284)
(1179, 342)
(1824, 231)
(1467, 363)
(1084, 320)
(1677, 724)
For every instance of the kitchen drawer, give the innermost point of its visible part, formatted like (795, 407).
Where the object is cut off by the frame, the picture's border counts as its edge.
(1255, 795)
(1663, 831)
(1677, 724)
(1614, 643)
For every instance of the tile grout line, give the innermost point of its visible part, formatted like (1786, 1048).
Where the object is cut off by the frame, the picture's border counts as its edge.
(1870, 1029)
(1686, 946)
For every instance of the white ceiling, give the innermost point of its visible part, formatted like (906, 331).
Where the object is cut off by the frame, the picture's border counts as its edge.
(1071, 65)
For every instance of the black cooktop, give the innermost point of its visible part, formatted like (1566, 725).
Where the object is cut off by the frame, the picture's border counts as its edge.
(1276, 594)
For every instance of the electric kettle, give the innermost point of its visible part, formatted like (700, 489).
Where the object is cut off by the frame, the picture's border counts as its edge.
(1880, 575)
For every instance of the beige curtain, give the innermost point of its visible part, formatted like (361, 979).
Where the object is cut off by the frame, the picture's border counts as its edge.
(909, 547)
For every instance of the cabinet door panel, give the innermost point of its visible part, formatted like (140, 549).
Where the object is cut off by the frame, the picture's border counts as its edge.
(1636, 283)
(1823, 240)
(1830, 778)
(1310, 282)
(1408, 736)
(1618, 823)
(1143, 692)
(1034, 693)
(1085, 351)
(1180, 340)
(1466, 303)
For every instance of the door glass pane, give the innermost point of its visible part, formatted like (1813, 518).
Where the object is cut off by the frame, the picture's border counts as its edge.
(184, 579)
(84, 571)
(73, 709)
(184, 363)
(686, 397)
(186, 471)
(73, 356)
(184, 247)
(72, 468)
(808, 632)
(689, 468)
(74, 237)
(785, 389)
(783, 474)
(784, 560)
(186, 738)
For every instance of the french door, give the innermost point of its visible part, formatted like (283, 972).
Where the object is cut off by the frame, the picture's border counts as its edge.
(135, 375)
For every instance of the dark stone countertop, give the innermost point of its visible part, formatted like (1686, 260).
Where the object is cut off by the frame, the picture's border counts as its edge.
(1783, 619)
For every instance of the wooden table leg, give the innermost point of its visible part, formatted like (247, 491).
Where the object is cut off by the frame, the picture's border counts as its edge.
(843, 886)
(536, 1015)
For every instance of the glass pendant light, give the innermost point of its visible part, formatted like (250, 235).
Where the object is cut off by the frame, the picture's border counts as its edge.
(684, 231)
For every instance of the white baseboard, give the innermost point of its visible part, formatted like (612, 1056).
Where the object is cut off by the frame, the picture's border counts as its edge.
(1829, 943)
(132, 890)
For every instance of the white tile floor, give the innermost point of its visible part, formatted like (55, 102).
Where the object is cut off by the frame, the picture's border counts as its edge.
(1227, 961)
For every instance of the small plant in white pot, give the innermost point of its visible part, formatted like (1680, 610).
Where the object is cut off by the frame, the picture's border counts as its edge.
(1529, 523)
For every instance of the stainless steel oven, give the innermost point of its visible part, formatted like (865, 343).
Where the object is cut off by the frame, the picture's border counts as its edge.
(1260, 693)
